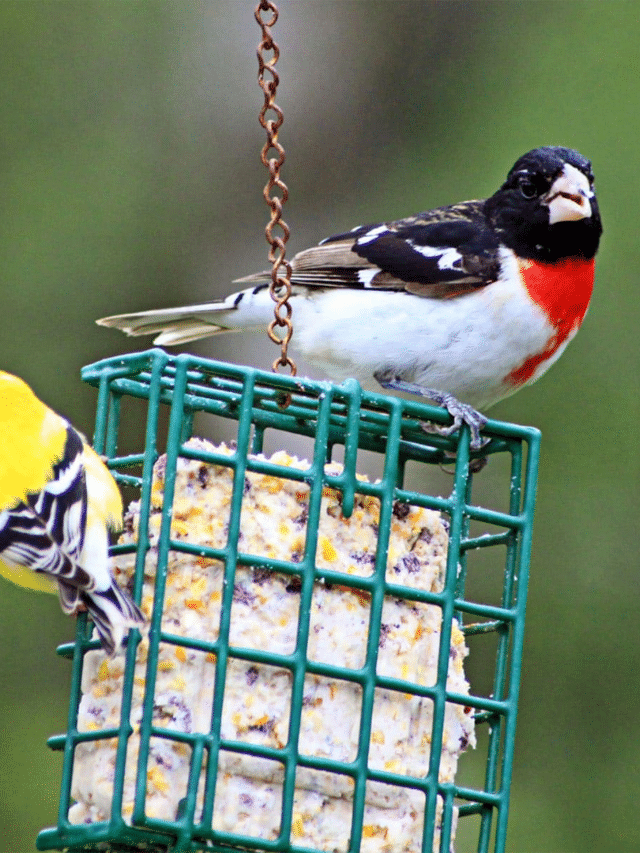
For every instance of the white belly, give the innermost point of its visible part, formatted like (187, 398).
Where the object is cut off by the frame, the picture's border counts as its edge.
(466, 346)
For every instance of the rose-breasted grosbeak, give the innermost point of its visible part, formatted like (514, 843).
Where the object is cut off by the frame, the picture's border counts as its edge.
(462, 303)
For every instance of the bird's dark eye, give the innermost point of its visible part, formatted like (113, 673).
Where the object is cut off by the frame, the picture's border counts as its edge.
(527, 187)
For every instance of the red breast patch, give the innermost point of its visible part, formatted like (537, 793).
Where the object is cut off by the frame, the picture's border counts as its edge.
(563, 291)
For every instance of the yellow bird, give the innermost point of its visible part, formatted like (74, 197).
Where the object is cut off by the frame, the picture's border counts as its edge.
(57, 499)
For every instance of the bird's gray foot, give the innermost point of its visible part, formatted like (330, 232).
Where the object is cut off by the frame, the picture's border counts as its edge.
(460, 412)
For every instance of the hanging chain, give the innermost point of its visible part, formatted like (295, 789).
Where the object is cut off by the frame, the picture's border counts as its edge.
(275, 192)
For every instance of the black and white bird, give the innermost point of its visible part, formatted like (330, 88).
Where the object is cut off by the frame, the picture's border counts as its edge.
(463, 304)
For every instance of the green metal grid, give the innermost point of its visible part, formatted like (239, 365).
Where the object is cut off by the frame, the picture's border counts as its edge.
(332, 417)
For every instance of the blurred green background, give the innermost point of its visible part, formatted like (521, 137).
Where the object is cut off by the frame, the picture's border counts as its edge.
(130, 179)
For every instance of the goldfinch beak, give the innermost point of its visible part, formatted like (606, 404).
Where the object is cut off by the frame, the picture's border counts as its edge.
(569, 197)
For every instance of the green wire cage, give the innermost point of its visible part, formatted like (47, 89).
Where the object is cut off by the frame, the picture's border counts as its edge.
(162, 401)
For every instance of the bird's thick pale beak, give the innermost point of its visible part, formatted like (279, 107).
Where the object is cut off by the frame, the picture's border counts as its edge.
(569, 197)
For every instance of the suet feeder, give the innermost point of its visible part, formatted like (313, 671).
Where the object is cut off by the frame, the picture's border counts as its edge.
(336, 420)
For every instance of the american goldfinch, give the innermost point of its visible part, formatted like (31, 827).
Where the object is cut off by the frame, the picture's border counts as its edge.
(57, 499)
(464, 304)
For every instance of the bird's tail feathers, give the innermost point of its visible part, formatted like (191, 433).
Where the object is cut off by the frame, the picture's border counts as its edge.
(186, 323)
(113, 613)
(182, 331)
(254, 278)
(246, 309)
(70, 597)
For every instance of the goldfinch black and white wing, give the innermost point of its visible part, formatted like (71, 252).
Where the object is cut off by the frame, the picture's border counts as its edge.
(57, 502)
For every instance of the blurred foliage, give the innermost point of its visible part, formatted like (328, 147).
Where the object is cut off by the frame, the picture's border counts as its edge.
(130, 178)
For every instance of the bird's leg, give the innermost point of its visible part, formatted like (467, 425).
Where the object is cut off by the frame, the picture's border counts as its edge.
(460, 412)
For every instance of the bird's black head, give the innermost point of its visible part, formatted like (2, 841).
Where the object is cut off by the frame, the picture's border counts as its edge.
(547, 209)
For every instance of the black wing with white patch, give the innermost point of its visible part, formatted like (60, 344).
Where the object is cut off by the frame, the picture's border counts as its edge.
(46, 533)
(440, 253)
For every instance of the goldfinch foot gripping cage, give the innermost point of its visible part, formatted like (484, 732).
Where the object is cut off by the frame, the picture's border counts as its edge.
(323, 648)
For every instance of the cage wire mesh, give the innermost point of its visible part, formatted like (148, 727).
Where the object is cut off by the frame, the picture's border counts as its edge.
(338, 420)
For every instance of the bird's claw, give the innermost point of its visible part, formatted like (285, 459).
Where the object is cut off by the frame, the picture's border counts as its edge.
(461, 413)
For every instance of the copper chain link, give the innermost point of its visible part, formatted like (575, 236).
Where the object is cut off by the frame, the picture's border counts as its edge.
(275, 192)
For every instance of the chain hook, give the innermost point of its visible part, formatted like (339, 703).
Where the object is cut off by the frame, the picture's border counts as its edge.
(275, 192)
